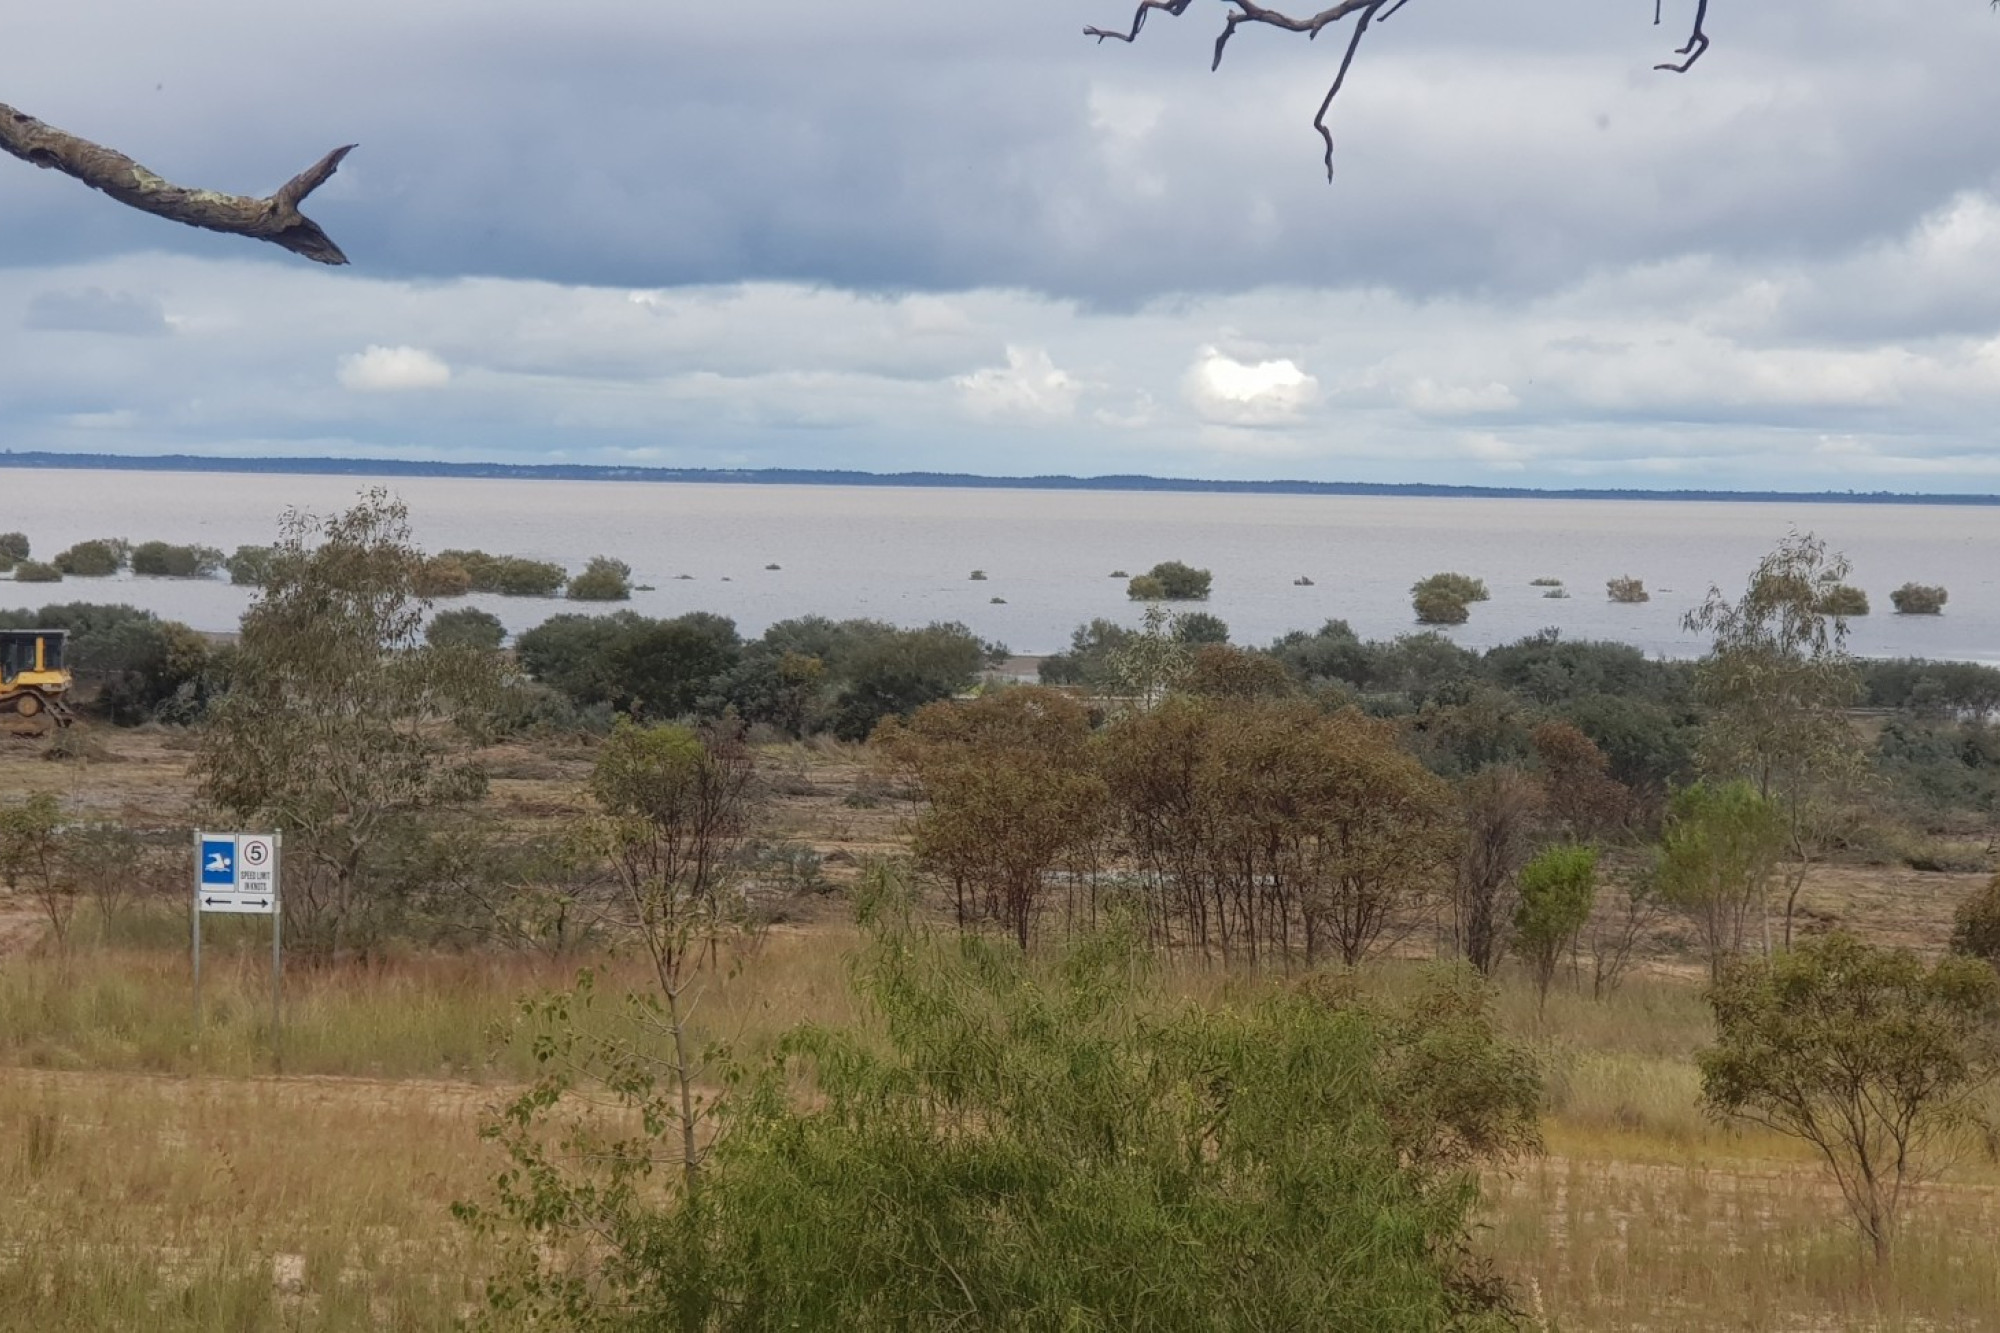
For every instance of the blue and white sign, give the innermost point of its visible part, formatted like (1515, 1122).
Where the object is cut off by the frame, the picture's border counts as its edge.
(237, 872)
(218, 861)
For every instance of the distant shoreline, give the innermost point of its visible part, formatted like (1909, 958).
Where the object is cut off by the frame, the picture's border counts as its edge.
(388, 467)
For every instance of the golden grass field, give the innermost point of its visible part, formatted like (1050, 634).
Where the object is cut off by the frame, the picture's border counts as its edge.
(155, 1178)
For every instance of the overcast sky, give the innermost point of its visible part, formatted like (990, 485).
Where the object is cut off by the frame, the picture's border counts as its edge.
(952, 235)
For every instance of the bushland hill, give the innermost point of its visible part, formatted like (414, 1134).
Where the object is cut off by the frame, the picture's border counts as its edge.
(648, 976)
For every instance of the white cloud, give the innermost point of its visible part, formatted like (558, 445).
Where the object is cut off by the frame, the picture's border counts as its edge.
(1227, 391)
(1030, 385)
(388, 369)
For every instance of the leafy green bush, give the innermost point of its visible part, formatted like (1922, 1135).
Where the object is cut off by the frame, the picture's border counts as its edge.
(1022, 1146)
(14, 547)
(1627, 589)
(1170, 581)
(250, 566)
(1463, 587)
(91, 560)
(1438, 606)
(1918, 599)
(465, 627)
(1975, 925)
(1843, 600)
(509, 575)
(144, 667)
(602, 580)
(442, 576)
(1558, 889)
(34, 571)
(163, 560)
(1970, 688)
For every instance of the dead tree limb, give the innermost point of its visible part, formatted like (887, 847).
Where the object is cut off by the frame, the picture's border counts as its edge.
(276, 219)
(1364, 13)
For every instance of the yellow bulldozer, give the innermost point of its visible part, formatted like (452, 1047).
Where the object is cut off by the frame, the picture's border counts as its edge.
(34, 682)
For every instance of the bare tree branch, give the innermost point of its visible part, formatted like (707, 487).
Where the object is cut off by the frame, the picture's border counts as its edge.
(276, 219)
(1697, 42)
(1368, 12)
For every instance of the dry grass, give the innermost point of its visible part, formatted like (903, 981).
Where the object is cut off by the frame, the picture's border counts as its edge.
(210, 1203)
(161, 1179)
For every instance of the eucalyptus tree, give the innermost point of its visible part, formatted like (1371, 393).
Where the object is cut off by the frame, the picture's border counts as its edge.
(1777, 684)
(341, 727)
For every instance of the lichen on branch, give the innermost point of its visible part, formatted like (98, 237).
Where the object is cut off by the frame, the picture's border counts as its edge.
(275, 219)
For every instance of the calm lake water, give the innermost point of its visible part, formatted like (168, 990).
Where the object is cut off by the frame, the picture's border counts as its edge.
(903, 555)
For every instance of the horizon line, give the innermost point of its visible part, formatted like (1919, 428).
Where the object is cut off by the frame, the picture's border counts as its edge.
(389, 467)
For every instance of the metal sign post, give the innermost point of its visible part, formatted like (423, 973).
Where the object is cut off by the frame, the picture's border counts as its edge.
(237, 873)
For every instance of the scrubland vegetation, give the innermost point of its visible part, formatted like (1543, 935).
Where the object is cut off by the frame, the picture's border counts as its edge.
(648, 976)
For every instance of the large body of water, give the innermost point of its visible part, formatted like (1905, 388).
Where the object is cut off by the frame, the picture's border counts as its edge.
(903, 555)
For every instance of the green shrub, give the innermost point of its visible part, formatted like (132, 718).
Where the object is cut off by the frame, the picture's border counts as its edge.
(1545, 583)
(442, 576)
(465, 627)
(14, 547)
(1017, 1146)
(1461, 587)
(1436, 606)
(1557, 891)
(1975, 926)
(1170, 581)
(1842, 599)
(34, 571)
(977, 576)
(91, 560)
(602, 580)
(1627, 589)
(1918, 599)
(250, 565)
(162, 560)
(508, 575)
(530, 578)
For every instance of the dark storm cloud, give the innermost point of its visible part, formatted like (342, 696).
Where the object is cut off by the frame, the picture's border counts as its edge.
(906, 144)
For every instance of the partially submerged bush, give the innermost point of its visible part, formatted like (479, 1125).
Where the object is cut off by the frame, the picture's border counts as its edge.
(91, 559)
(167, 561)
(443, 576)
(602, 580)
(1842, 599)
(250, 565)
(1435, 606)
(1462, 587)
(1545, 583)
(1918, 599)
(34, 571)
(1170, 581)
(14, 547)
(509, 575)
(1627, 589)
